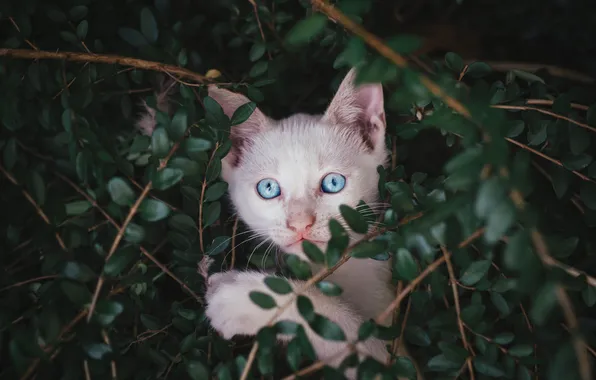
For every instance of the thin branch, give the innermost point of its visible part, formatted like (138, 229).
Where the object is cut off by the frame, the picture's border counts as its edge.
(104, 58)
(533, 67)
(428, 270)
(127, 220)
(29, 281)
(106, 339)
(29, 198)
(540, 154)
(546, 112)
(256, 11)
(460, 323)
(547, 102)
(580, 346)
(201, 201)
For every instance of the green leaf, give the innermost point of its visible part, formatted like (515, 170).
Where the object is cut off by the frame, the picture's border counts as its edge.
(133, 37)
(405, 265)
(326, 328)
(504, 338)
(367, 329)
(258, 69)
(589, 296)
(576, 162)
(478, 69)
(77, 207)
(179, 124)
(329, 288)
(499, 221)
(153, 210)
(134, 233)
(242, 113)
(149, 25)
(520, 350)
(490, 194)
(500, 303)
(257, 50)
(517, 250)
(77, 271)
(306, 29)
(263, 300)
(475, 272)
(368, 249)
(416, 335)
(97, 350)
(543, 303)
(214, 113)
(160, 142)
(82, 29)
(313, 252)
(195, 145)
(166, 178)
(218, 245)
(486, 368)
(76, 293)
(305, 308)
(454, 62)
(356, 221)
(278, 284)
(211, 213)
(107, 311)
(530, 77)
(120, 260)
(197, 370)
(120, 192)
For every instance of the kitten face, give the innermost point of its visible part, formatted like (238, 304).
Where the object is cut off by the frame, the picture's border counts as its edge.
(287, 178)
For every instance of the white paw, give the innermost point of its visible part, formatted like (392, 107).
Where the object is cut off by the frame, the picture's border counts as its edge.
(229, 308)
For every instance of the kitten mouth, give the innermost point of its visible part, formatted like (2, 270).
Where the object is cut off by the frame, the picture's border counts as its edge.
(299, 241)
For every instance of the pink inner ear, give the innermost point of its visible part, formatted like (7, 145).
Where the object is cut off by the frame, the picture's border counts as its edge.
(370, 98)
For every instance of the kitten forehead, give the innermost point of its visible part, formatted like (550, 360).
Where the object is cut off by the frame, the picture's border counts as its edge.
(300, 147)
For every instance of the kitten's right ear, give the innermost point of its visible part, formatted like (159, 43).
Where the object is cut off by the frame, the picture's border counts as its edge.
(241, 135)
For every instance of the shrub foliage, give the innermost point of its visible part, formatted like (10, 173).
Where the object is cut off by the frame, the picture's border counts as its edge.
(103, 228)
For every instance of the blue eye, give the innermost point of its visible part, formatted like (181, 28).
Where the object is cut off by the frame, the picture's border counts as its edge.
(333, 183)
(268, 188)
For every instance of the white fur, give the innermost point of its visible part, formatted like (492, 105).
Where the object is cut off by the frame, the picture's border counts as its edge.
(298, 152)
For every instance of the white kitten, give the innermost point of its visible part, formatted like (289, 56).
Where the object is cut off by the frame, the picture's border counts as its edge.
(288, 177)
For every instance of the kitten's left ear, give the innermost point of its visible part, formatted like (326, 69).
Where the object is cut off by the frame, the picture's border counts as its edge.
(360, 107)
(241, 135)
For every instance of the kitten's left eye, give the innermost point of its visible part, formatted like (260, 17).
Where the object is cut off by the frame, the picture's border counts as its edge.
(333, 183)
(268, 188)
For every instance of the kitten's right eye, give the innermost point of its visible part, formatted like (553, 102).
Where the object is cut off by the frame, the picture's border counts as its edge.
(268, 188)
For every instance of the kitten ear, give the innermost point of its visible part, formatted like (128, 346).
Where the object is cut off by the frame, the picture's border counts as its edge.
(241, 135)
(360, 107)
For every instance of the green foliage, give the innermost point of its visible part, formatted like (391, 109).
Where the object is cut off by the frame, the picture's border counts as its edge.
(102, 227)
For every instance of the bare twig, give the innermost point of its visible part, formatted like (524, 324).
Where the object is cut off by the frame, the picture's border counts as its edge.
(104, 58)
(30, 199)
(579, 344)
(533, 67)
(428, 270)
(29, 281)
(460, 323)
(546, 112)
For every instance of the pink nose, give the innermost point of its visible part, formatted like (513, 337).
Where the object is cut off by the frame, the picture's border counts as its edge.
(301, 225)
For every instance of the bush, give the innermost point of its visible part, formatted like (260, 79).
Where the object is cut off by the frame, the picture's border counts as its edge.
(103, 227)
